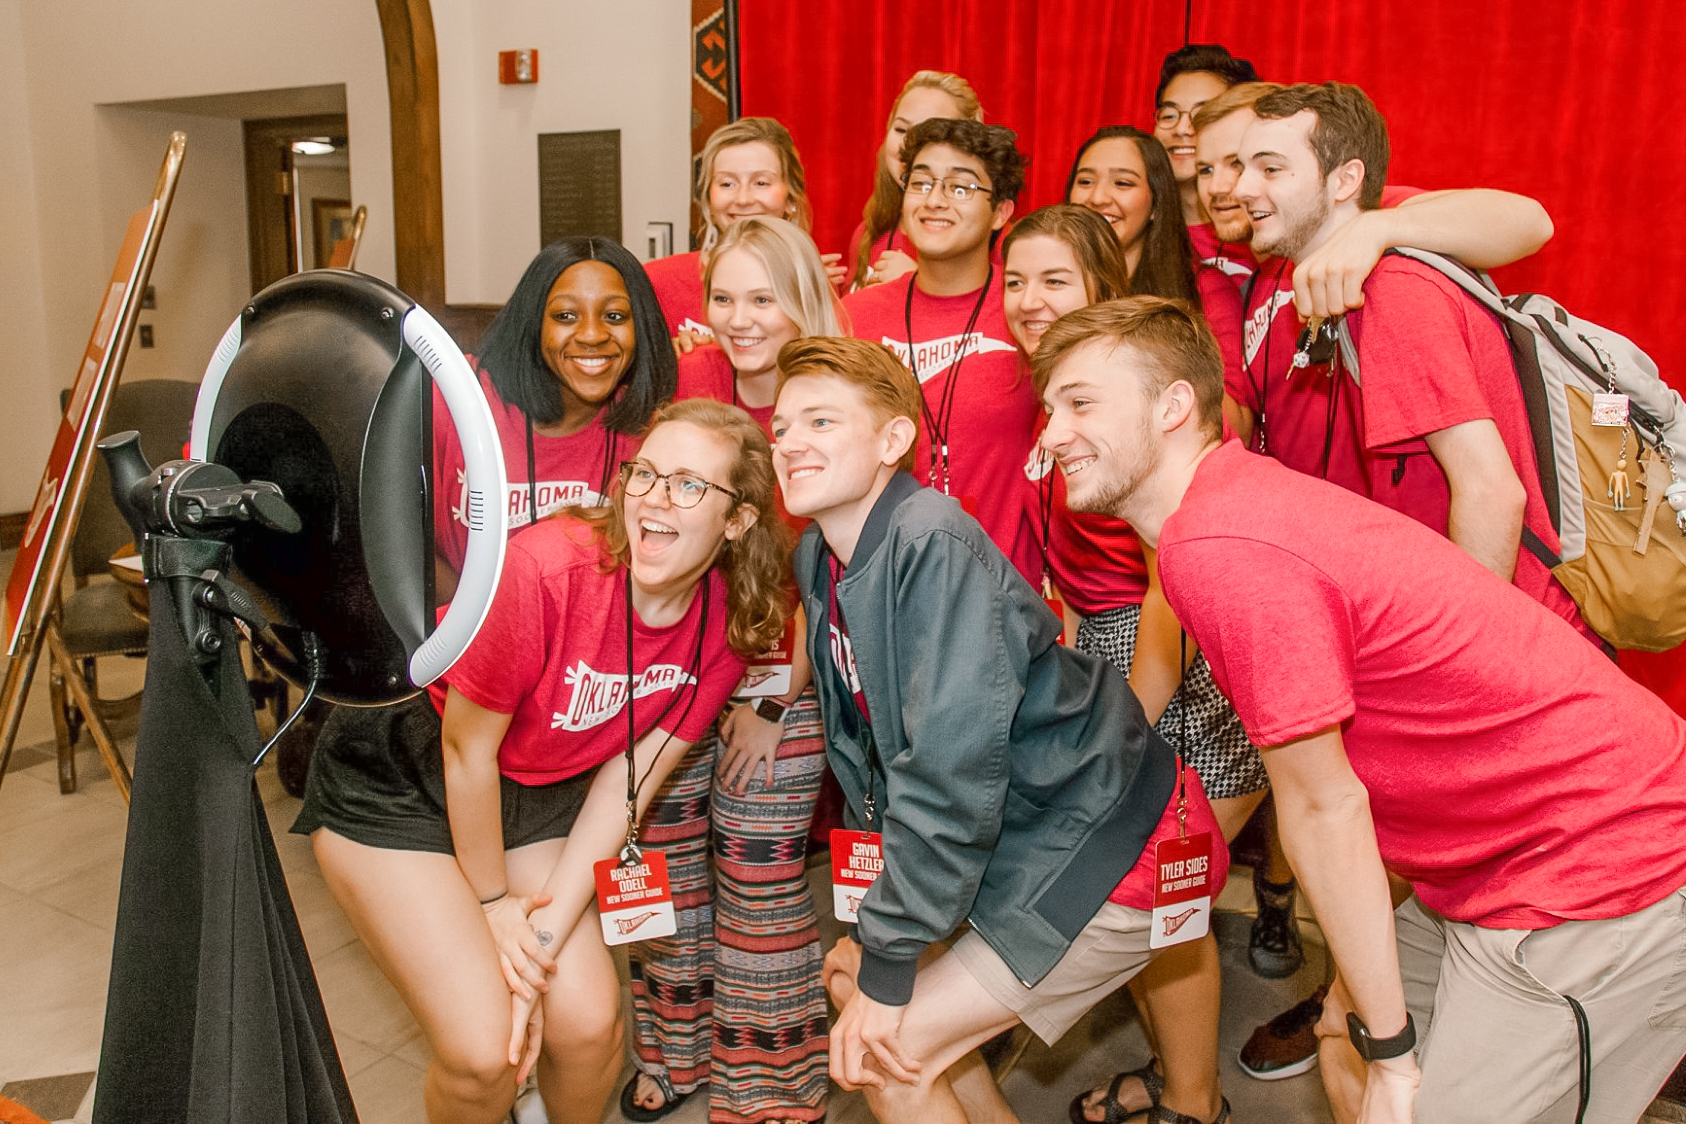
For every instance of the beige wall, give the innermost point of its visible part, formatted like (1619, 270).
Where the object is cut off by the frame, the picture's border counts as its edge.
(621, 65)
(78, 163)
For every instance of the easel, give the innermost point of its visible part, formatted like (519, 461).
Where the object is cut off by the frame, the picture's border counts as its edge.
(58, 502)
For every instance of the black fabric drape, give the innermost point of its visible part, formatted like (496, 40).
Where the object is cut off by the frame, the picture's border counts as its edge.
(213, 1013)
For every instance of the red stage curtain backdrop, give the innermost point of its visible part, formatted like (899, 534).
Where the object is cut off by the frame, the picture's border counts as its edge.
(1568, 101)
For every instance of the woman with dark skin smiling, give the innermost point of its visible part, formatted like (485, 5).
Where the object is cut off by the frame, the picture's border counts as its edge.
(572, 368)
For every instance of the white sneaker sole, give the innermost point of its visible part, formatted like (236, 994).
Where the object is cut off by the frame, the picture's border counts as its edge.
(1304, 1065)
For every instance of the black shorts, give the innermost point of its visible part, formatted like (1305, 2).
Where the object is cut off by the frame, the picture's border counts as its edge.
(377, 778)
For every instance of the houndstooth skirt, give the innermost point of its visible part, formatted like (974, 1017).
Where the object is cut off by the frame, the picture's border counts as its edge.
(1199, 720)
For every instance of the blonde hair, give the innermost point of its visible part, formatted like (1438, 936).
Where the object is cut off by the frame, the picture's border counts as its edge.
(1243, 95)
(884, 210)
(752, 130)
(873, 369)
(756, 564)
(793, 267)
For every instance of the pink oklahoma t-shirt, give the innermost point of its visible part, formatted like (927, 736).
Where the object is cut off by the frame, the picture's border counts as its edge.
(576, 469)
(1517, 778)
(992, 412)
(552, 654)
(677, 280)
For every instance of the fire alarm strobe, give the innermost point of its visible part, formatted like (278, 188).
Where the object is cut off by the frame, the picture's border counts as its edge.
(518, 67)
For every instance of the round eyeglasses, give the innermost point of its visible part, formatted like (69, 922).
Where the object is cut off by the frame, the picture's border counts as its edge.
(683, 489)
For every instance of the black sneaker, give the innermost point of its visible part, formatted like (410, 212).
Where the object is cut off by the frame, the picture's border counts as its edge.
(1274, 949)
(1286, 1046)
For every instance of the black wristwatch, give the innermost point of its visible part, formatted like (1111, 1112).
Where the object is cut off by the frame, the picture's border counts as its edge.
(1373, 1049)
(771, 710)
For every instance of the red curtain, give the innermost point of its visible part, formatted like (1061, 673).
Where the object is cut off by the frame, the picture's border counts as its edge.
(1568, 101)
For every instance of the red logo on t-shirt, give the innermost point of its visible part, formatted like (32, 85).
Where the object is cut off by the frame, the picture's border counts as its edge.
(843, 655)
(598, 696)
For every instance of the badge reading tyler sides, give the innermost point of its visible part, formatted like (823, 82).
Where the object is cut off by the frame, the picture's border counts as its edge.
(635, 899)
(857, 857)
(1182, 890)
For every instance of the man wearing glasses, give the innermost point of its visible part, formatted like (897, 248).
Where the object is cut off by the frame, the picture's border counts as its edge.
(945, 323)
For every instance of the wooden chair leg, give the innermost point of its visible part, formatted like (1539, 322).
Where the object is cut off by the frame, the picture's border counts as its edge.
(64, 729)
(114, 763)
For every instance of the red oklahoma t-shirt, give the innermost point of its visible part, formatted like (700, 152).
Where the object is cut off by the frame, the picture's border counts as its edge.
(1234, 261)
(552, 654)
(993, 411)
(576, 469)
(1292, 404)
(677, 280)
(1517, 778)
(1431, 358)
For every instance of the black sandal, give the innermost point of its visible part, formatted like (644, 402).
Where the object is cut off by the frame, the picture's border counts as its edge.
(1116, 1113)
(636, 1112)
(1159, 1114)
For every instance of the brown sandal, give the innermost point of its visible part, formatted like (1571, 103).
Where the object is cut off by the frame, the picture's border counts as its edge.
(1159, 1114)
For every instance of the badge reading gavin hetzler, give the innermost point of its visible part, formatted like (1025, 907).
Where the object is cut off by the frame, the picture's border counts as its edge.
(857, 858)
(1182, 890)
(635, 899)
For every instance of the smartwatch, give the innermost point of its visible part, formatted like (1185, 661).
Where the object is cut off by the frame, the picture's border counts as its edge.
(1373, 1049)
(771, 710)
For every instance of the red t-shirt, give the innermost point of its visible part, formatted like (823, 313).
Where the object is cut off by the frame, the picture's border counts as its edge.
(1221, 302)
(1135, 890)
(576, 469)
(1094, 561)
(677, 280)
(1431, 358)
(1292, 404)
(1234, 261)
(992, 411)
(842, 651)
(1517, 778)
(552, 654)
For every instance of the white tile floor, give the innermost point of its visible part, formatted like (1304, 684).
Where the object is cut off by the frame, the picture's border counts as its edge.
(60, 860)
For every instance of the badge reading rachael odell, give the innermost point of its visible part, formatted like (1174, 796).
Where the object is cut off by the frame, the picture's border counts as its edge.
(635, 899)
(1182, 890)
(857, 857)
(769, 673)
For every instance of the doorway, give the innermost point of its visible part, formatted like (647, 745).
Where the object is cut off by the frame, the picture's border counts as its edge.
(298, 192)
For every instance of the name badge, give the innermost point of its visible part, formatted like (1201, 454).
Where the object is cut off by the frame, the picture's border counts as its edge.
(635, 899)
(1055, 605)
(769, 674)
(1182, 890)
(857, 858)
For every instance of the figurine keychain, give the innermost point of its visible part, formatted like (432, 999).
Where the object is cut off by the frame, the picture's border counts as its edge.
(1619, 490)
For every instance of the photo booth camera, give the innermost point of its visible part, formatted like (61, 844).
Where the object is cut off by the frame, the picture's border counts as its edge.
(302, 516)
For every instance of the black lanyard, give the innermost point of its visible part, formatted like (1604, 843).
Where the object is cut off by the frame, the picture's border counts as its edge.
(834, 598)
(937, 421)
(605, 469)
(1259, 386)
(633, 783)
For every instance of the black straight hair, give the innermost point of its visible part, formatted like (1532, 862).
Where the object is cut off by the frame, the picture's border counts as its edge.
(1166, 268)
(1209, 58)
(512, 356)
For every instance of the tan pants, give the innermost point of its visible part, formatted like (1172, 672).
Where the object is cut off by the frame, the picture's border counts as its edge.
(1497, 1041)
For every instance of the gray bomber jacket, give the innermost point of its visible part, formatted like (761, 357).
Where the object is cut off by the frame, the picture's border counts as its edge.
(1016, 780)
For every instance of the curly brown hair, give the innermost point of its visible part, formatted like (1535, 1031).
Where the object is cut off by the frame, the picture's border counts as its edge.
(996, 145)
(756, 564)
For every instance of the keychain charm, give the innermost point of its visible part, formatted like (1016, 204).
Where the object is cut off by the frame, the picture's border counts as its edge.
(1609, 409)
(1619, 490)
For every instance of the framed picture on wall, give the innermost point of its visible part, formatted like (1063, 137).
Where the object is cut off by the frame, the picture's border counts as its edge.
(330, 221)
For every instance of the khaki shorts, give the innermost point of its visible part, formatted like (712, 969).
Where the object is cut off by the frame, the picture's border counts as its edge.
(1111, 948)
(1497, 1040)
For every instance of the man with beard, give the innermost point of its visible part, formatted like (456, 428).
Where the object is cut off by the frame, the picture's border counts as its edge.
(1420, 716)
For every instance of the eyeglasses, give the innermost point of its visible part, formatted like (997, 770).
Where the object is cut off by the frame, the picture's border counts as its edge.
(1170, 113)
(683, 489)
(957, 190)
